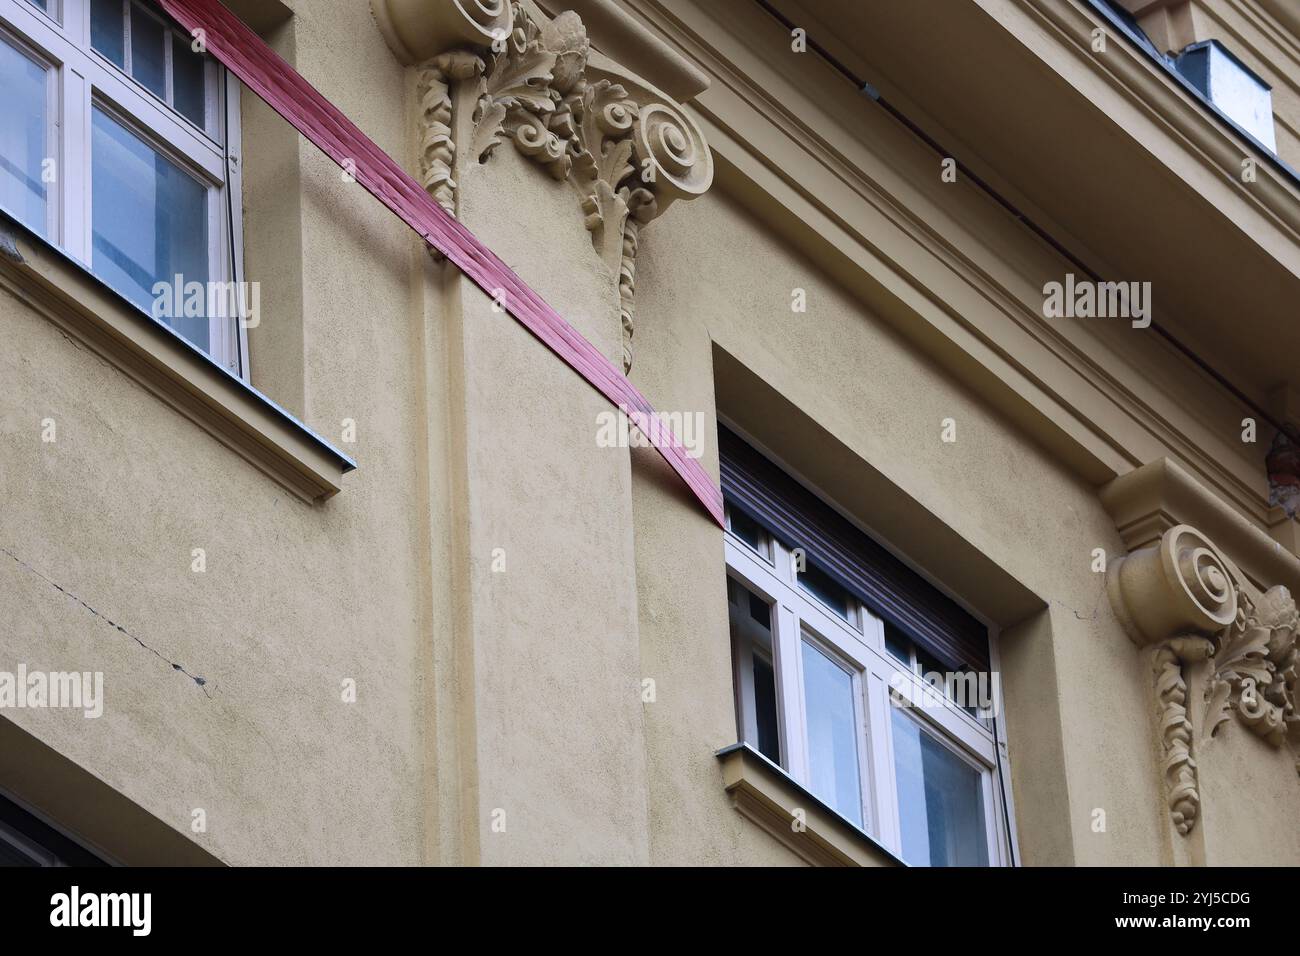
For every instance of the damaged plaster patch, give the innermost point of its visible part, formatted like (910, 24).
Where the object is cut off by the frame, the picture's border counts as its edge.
(1283, 464)
(200, 681)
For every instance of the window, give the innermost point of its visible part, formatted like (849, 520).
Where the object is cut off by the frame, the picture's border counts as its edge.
(118, 143)
(28, 841)
(853, 700)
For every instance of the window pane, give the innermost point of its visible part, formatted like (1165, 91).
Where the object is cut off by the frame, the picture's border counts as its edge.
(769, 741)
(751, 622)
(928, 664)
(40, 3)
(748, 530)
(189, 87)
(818, 583)
(832, 734)
(150, 223)
(897, 644)
(148, 52)
(940, 800)
(108, 30)
(22, 137)
(10, 855)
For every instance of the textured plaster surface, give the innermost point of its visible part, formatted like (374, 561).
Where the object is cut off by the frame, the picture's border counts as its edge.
(708, 272)
(499, 586)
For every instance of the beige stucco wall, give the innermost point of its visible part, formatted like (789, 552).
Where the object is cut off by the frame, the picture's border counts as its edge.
(709, 272)
(505, 686)
(295, 598)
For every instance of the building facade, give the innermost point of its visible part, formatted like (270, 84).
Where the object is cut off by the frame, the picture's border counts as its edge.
(975, 311)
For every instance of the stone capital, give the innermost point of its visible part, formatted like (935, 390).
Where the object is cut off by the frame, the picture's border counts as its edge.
(497, 70)
(1186, 601)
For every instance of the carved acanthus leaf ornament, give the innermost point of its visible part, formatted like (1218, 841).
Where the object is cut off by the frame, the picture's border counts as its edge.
(1189, 603)
(627, 149)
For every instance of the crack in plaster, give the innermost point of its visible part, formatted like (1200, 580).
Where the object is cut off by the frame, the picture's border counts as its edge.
(1101, 596)
(200, 681)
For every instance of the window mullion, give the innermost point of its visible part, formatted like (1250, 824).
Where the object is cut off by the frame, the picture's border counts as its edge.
(992, 809)
(743, 648)
(884, 792)
(127, 59)
(789, 683)
(76, 21)
(74, 172)
(230, 124)
(866, 773)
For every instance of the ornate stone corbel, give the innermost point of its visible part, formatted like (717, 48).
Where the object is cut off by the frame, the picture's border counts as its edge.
(1184, 599)
(628, 149)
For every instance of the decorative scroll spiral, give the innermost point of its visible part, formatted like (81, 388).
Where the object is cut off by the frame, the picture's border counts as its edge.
(1184, 598)
(482, 12)
(677, 154)
(629, 155)
(535, 140)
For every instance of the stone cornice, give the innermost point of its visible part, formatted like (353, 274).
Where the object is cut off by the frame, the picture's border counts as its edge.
(1286, 13)
(788, 166)
(1148, 501)
(496, 70)
(1275, 195)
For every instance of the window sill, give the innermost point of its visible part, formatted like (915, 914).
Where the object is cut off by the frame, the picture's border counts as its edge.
(237, 415)
(767, 795)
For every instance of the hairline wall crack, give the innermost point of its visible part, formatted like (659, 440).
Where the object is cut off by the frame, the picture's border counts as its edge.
(200, 681)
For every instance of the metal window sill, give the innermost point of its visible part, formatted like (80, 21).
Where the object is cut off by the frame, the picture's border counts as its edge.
(62, 290)
(767, 795)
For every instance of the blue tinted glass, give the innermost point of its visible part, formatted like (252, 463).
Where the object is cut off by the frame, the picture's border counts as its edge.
(897, 644)
(150, 225)
(940, 800)
(817, 582)
(108, 30)
(832, 734)
(22, 138)
(149, 52)
(189, 86)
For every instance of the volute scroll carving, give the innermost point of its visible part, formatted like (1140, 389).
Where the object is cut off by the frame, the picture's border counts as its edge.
(627, 149)
(1184, 599)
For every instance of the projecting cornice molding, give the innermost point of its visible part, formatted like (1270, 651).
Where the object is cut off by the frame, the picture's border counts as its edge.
(492, 70)
(1181, 596)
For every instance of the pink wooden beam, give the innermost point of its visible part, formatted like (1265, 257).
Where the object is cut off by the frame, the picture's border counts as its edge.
(263, 71)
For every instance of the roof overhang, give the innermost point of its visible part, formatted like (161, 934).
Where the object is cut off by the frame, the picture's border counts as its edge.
(1109, 152)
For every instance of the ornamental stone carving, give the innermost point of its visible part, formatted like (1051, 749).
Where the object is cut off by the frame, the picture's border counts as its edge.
(492, 70)
(1187, 602)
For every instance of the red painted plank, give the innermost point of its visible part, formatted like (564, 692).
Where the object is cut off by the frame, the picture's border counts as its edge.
(263, 71)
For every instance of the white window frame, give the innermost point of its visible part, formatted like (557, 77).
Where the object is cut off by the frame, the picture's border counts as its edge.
(80, 80)
(795, 615)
